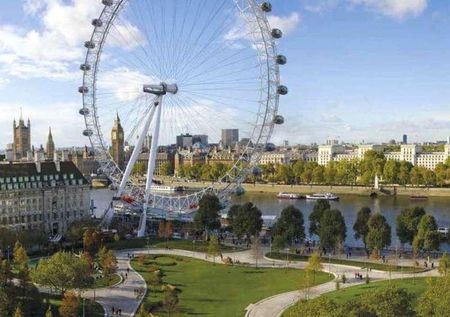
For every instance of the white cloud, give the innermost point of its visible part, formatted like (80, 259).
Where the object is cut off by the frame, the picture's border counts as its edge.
(320, 6)
(55, 48)
(244, 25)
(285, 23)
(32, 7)
(129, 87)
(397, 9)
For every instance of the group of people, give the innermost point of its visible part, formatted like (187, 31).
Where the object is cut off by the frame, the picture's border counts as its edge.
(116, 311)
(358, 276)
(138, 292)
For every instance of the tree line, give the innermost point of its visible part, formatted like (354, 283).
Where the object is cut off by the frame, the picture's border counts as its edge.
(413, 227)
(356, 172)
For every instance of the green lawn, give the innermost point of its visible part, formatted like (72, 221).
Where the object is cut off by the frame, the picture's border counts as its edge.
(216, 290)
(139, 243)
(415, 286)
(105, 282)
(370, 265)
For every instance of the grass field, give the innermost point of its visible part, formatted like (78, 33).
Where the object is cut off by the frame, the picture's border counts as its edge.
(415, 287)
(105, 282)
(370, 265)
(216, 290)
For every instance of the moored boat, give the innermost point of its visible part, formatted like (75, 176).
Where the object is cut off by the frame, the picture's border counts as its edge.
(418, 197)
(325, 196)
(282, 195)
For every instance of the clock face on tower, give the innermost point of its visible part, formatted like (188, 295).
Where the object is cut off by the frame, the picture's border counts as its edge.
(114, 135)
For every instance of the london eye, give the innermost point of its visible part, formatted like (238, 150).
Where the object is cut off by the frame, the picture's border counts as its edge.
(169, 67)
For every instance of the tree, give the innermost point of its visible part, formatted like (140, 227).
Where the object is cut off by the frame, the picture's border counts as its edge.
(21, 264)
(49, 312)
(332, 229)
(297, 170)
(361, 226)
(330, 173)
(245, 220)
(63, 271)
(314, 264)
(69, 305)
(404, 172)
(388, 301)
(314, 218)
(407, 223)
(391, 171)
(143, 312)
(170, 299)
(6, 274)
(379, 234)
(214, 247)
(165, 231)
(319, 307)
(371, 165)
(207, 217)
(107, 262)
(20, 255)
(318, 175)
(441, 174)
(427, 237)
(434, 301)
(279, 242)
(18, 312)
(284, 174)
(91, 241)
(416, 176)
(4, 302)
(290, 225)
(444, 264)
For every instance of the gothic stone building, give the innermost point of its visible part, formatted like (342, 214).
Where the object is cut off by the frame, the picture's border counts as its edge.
(45, 196)
(22, 139)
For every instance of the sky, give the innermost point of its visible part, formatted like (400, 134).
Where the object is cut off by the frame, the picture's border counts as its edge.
(358, 70)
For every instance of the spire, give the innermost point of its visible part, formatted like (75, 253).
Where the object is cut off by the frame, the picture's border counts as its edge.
(117, 116)
(50, 132)
(21, 116)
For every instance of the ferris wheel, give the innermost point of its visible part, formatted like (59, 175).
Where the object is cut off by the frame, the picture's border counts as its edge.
(169, 67)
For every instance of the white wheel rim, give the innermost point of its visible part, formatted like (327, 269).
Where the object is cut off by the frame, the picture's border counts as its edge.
(265, 51)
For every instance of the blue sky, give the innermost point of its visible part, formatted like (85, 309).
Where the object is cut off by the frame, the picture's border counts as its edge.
(358, 69)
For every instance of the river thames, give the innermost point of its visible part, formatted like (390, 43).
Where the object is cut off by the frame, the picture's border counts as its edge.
(349, 205)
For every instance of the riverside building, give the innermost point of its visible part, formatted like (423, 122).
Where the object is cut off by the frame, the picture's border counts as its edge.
(412, 153)
(42, 195)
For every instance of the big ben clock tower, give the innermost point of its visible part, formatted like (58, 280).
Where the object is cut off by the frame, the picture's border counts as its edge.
(117, 139)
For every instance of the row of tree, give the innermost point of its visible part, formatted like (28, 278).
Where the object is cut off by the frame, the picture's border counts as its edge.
(352, 172)
(413, 226)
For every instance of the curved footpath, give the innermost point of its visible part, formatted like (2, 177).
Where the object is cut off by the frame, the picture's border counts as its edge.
(123, 296)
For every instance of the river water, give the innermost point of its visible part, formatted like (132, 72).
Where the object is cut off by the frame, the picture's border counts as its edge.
(389, 207)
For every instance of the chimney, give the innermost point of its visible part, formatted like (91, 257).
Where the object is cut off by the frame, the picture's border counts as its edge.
(37, 162)
(57, 162)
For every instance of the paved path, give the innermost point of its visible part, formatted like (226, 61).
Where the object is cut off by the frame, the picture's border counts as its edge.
(122, 295)
(274, 306)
